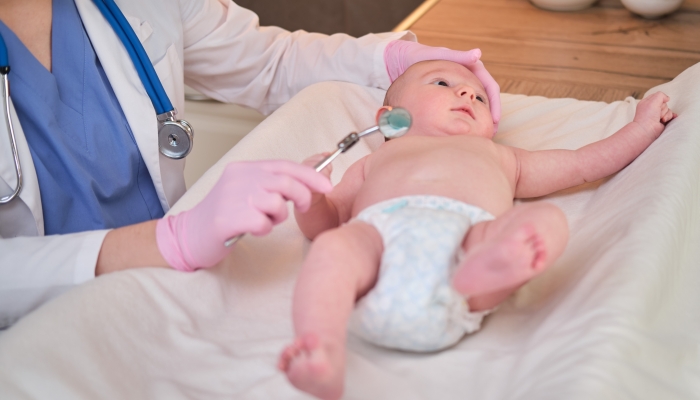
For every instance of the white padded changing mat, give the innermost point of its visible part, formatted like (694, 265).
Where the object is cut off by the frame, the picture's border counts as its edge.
(618, 316)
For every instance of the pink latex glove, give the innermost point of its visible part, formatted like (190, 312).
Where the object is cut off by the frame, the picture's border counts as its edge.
(250, 197)
(401, 54)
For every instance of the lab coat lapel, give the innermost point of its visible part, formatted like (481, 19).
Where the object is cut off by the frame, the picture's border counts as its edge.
(128, 88)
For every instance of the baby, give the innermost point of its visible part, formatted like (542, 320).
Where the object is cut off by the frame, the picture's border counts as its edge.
(421, 238)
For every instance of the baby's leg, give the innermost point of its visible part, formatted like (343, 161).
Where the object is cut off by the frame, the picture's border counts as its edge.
(503, 254)
(341, 266)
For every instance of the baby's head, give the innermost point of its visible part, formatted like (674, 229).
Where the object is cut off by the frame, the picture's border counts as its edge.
(444, 99)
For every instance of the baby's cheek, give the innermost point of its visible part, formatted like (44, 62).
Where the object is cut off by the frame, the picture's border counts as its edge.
(428, 115)
(427, 122)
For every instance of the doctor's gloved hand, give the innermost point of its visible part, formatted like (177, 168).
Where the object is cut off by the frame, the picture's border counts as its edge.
(401, 54)
(250, 197)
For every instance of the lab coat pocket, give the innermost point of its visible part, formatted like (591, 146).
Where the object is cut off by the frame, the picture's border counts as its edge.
(166, 64)
(142, 29)
(170, 72)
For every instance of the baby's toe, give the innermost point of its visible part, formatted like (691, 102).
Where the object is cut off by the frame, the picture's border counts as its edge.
(289, 353)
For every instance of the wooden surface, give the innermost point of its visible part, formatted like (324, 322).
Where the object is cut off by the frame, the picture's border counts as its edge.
(602, 53)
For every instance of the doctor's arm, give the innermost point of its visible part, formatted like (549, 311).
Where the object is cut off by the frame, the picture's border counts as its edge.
(130, 247)
(35, 269)
(229, 57)
(249, 197)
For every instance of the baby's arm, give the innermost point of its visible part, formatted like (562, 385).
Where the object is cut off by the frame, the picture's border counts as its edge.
(331, 210)
(543, 172)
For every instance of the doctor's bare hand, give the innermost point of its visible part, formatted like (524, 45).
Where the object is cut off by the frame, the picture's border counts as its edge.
(250, 197)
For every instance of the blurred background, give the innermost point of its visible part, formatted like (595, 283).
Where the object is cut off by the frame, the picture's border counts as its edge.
(354, 17)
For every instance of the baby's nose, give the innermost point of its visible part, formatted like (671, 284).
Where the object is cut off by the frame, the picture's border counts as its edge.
(467, 91)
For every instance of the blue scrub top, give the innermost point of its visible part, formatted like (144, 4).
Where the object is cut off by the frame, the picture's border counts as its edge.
(91, 173)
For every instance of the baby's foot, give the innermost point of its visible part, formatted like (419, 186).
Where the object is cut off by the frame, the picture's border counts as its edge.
(315, 366)
(504, 262)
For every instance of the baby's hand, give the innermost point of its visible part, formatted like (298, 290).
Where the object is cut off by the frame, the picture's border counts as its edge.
(312, 162)
(653, 113)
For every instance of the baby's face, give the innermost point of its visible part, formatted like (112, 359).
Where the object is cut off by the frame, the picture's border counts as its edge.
(444, 99)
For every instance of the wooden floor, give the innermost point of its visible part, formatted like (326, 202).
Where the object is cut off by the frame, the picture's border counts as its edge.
(601, 53)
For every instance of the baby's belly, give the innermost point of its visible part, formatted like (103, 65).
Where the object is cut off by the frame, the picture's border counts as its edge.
(478, 185)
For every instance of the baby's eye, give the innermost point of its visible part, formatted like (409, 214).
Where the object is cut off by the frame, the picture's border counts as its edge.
(481, 98)
(441, 83)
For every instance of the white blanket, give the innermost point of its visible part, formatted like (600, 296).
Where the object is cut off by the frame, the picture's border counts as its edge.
(618, 316)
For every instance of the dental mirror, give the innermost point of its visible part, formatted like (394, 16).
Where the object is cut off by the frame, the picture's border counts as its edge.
(392, 123)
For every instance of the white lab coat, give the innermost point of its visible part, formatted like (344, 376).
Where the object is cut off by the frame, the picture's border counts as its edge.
(213, 46)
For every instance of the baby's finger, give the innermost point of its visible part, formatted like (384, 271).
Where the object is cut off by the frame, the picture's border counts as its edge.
(667, 116)
(660, 97)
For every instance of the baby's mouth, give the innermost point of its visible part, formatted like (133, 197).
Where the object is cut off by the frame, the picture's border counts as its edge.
(466, 110)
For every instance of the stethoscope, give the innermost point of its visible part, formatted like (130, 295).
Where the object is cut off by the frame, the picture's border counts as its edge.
(175, 136)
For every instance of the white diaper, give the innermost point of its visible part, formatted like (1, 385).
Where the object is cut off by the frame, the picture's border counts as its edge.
(413, 306)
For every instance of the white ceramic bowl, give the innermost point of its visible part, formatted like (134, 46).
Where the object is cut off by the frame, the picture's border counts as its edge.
(563, 5)
(652, 8)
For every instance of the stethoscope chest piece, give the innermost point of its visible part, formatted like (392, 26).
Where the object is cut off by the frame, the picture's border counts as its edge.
(175, 136)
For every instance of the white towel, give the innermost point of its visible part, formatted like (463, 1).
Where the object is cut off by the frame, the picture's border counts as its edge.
(617, 316)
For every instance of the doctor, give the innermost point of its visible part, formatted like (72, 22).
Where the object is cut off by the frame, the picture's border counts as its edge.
(95, 186)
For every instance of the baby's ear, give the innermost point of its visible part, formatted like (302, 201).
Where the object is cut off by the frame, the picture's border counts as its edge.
(381, 111)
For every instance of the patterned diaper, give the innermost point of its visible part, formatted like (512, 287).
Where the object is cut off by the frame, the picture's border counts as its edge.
(413, 306)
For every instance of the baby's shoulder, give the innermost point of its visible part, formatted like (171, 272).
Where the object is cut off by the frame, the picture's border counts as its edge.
(507, 155)
(360, 166)
(503, 148)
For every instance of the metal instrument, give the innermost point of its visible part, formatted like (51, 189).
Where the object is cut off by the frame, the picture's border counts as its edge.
(392, 123)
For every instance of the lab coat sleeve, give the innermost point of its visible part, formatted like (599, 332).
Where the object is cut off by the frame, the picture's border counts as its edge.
(34, 270)
(229, 57)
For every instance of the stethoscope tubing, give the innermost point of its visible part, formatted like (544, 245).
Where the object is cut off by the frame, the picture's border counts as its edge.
(138, 55)
(4, 70)
(4, 62)
(11, 133)
(144, 68)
